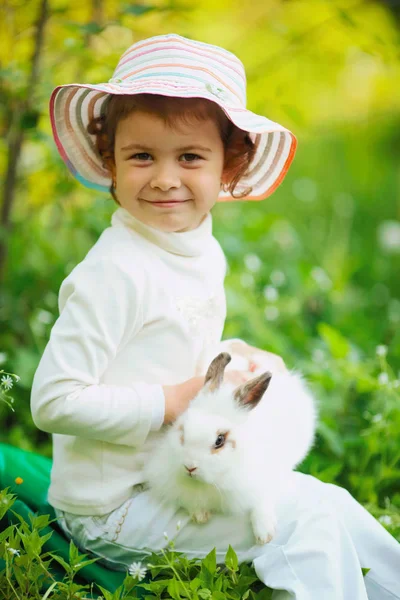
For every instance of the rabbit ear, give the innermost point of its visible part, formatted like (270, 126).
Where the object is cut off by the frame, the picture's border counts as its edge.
(215, 373)
(250, 393)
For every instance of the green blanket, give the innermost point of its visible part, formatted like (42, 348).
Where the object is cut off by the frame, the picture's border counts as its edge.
(34, 470)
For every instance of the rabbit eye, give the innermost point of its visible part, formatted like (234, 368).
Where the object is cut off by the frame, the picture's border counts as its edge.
(220, 441)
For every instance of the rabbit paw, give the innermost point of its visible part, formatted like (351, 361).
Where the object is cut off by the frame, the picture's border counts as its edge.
(201, 516)
(264, 526)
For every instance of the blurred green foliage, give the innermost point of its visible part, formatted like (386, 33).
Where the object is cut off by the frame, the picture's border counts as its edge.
(313, 269)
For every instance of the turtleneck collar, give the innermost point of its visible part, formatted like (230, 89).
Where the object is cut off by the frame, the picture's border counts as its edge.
(185, 243)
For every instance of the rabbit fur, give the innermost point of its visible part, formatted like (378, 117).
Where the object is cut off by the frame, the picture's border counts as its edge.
(233, 448)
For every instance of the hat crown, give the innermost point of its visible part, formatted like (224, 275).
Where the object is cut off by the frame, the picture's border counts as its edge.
(184, 63)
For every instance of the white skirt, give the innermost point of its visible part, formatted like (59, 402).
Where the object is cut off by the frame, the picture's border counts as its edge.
(324, 537)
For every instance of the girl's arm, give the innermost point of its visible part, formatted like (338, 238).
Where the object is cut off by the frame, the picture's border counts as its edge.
(101, 308)
(250, 358)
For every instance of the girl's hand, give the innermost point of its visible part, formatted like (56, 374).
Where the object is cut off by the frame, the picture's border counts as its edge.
(237, 377)
(177, 397)
(257, 359)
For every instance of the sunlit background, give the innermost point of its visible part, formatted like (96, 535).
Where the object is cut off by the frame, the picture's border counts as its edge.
(314, 269)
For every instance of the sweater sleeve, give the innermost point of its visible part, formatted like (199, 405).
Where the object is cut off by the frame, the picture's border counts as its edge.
(100, 308)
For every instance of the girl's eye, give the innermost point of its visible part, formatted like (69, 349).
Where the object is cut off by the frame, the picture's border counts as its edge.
(141, 156)
(191, 157)
(220, 441)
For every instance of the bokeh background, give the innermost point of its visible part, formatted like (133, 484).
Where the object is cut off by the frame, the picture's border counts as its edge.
(314, 269)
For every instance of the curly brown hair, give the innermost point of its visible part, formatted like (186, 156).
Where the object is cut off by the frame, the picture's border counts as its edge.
(239, 149)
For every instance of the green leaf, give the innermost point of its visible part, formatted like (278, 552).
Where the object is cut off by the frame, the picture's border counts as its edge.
(106, 593)
(62, 562)
(174, 589)
(50, 589)
(365, 570)
(218, 596)
(4, 534)
(329, 474)
(345, 17)
(335, 442)
(157, 586)
(40, 521)
(90, 28)
(338, 346)
(194, 584)
(29, 119)
(138, 9)
(264, 594)
(231, 559)
(84, 563)
(210, 561)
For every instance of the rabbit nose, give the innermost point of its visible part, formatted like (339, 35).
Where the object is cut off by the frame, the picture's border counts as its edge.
(190, 470)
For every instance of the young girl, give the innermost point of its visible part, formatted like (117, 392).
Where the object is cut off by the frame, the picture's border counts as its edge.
(141, 318)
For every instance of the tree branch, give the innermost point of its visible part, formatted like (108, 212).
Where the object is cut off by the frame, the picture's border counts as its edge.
(17, 134)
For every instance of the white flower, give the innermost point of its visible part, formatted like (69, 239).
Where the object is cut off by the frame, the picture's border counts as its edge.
(376, 418)
(165, 534)
(44, 316)
(6, 382)
(389, 236)
(381, 350)
(253, 262)
(386, 519)
(13, 551)
(3, 357)
(284, 234)
(278, 277)
(136, 570)
(318, 355)
(343, 204)
(305, 189)
(247, 280)
(178, 525)
(383, 378)
(394, 310)
(271, 313)
(270, 293)
(320, 277)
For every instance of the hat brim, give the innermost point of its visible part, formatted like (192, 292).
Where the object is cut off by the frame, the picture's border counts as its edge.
(72, 106)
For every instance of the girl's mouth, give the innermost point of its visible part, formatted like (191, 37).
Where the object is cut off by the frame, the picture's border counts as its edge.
(169, 204)
(166, 203)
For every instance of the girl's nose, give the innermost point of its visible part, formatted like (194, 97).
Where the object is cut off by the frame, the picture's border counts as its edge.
(165, 179)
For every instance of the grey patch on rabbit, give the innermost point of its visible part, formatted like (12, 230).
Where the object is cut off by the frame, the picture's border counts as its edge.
(271, 422)
(250, 393)
(215, 372)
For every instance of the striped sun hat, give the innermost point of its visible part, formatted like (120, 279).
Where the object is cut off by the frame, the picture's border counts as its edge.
(171, 65)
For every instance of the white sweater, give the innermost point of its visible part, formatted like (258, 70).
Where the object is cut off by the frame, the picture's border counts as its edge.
(144, 309)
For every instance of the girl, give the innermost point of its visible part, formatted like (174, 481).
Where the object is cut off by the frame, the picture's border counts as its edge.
(142, 317)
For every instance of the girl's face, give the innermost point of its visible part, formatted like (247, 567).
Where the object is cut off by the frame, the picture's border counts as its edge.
(168, 178)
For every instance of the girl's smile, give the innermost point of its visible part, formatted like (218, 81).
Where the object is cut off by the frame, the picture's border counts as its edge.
(166, 203)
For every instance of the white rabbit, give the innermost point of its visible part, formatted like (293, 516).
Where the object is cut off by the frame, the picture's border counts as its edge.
(230, 451)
